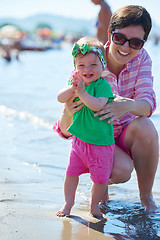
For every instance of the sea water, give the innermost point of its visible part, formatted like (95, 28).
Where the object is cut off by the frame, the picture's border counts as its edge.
(36, 157)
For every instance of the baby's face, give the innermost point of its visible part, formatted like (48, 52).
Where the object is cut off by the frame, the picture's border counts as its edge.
(89, 67)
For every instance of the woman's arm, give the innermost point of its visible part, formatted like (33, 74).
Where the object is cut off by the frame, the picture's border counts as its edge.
(144, 102)
(121, 105)
(66, 119)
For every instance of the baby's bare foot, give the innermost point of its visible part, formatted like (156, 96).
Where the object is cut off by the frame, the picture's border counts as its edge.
(64, 211)
(95, 211)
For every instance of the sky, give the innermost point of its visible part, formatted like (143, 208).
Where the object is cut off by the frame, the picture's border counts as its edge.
(83, 9)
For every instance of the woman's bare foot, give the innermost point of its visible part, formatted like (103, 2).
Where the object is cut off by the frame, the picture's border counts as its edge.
(65, 210)
(148, 203)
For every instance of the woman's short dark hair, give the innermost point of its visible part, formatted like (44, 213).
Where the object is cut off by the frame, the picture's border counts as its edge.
(131, 15)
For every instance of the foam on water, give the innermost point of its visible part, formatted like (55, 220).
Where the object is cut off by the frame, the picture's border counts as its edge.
(24, 116)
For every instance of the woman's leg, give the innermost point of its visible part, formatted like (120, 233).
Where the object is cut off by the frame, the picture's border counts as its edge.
(121, 171)
(70, 186)
(141, 139)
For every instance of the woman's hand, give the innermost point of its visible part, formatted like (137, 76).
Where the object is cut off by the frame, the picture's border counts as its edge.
(114, 110)
(71, 107)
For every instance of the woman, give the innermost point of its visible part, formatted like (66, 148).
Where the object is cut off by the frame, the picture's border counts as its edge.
(129, 74)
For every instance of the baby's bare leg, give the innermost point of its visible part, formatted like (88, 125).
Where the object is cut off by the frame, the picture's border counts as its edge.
(98, 191)
(70, 186)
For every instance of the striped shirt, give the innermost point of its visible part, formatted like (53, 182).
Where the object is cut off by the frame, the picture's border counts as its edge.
(135, 81)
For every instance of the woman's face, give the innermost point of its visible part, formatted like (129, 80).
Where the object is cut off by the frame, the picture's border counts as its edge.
(122, 54)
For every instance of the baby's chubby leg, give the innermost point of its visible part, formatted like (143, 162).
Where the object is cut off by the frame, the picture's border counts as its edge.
(98, 191)
(70, 186)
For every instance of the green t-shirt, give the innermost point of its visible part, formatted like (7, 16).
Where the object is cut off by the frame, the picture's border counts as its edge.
(87, 127)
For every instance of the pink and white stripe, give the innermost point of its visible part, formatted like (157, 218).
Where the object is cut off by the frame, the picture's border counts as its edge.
(136, 82)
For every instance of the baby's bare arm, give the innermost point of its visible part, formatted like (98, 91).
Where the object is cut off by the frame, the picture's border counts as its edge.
(65, 94)
(94, 103)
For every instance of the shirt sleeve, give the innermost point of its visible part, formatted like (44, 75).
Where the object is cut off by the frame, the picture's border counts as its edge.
(144, 84)
(103, 89)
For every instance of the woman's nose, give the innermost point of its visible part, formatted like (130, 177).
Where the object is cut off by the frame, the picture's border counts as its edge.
(126, 45)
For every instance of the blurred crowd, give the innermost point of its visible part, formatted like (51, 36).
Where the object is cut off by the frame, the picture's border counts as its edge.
(14, 40)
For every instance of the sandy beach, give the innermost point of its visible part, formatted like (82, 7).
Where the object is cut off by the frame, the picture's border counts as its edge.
(22, 217)
(28, 215)
(28, 222)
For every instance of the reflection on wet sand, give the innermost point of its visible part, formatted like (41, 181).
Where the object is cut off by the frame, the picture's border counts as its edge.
(75, 227)
(134, 221)
(130, 222)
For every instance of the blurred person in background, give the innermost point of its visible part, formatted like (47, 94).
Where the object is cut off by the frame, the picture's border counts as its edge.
(103, 20)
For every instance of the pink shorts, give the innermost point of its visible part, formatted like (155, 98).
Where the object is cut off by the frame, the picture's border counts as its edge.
(89, 158)
(120, 142)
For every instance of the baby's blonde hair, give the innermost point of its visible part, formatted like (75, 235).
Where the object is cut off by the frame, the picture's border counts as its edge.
(92, 42)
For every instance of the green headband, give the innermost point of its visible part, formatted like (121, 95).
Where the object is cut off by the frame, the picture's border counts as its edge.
(84, 48)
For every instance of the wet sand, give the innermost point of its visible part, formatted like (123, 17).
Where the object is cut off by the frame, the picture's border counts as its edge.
(24, 218)
(19, 221)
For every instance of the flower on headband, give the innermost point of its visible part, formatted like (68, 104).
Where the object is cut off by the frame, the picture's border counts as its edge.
(84, 48)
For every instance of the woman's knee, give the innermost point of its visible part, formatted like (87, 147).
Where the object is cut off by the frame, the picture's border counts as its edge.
(143, 129)
(141, 132)
(121, 174)
(122, 167)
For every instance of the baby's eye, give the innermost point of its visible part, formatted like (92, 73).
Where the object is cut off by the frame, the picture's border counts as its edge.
(81, 65)
(94, 64)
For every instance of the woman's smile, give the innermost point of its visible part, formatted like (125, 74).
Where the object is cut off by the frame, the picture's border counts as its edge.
(123, 53)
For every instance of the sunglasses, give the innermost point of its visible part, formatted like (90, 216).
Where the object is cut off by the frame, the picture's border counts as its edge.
(134, 43)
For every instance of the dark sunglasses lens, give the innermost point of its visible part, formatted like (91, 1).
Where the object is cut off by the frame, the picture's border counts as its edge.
(136, 43)
(119, 39)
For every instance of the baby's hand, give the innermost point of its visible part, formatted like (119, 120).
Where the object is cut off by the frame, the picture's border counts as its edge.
(75, 77)
(78, 83)
(80, 86)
